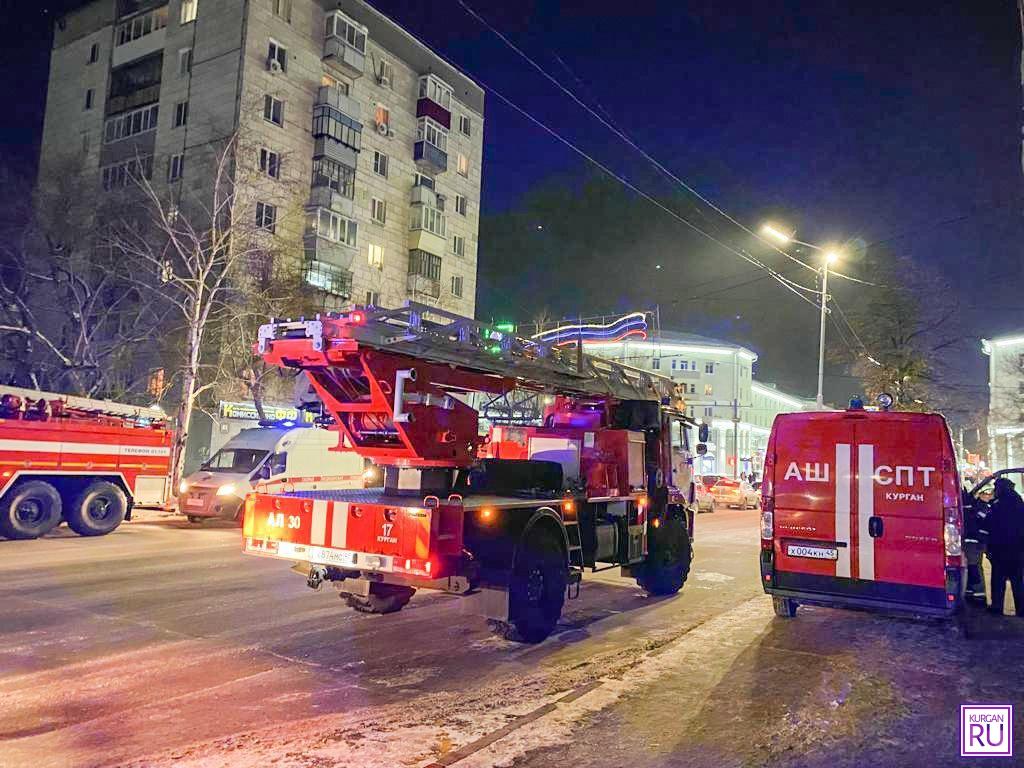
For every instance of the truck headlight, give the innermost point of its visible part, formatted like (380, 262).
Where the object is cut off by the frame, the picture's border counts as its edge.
(183, 486)
(226, 490)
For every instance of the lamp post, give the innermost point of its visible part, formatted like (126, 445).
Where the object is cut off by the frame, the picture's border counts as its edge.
(829, 256)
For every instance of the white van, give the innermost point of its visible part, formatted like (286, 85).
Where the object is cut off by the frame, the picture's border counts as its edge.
(296, 458)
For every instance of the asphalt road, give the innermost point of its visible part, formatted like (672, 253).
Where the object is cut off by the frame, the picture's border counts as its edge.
(163, 645)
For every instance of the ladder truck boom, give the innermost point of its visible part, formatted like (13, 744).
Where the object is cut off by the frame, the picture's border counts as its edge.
(513, 518)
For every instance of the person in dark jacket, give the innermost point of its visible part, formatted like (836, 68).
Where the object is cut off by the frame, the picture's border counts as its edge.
(1005, 526)
(974, 515)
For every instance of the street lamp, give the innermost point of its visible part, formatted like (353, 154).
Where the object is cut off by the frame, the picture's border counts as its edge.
(829, 256)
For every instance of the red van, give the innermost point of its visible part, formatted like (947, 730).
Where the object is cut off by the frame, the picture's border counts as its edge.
(862, 508)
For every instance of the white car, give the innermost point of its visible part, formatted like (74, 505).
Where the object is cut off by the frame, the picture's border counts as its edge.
(735, 493)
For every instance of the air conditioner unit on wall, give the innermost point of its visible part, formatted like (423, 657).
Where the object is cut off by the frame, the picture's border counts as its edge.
(385, 81)
(383, 129)
(274, 65)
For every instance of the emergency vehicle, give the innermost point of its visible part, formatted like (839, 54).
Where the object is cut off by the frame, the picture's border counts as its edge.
(862, 508)
(285, 455)
(602, 482)
(77, 459)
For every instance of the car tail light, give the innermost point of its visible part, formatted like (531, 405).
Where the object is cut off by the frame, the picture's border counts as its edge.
(767, 522)
(952, 535)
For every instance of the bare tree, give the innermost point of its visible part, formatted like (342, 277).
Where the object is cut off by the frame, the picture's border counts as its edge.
(71, 318)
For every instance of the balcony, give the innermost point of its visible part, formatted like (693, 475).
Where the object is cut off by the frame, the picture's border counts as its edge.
(322, 196)
(329, 279)
(333, 97)
(426, 107)
(423, 196)
(344, 57)
(334, 254)
(429, 158)
(419, 286)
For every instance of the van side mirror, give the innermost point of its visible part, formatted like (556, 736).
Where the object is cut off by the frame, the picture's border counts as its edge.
(701, 449)
(703, 433)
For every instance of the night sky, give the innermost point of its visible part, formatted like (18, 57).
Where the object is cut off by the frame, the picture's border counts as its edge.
(846, 119)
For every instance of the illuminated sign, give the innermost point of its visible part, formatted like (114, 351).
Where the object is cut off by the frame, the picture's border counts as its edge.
(633, 325)
(248, 412)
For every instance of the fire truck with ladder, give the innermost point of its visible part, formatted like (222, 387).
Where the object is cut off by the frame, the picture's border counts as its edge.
(512, 519)
(76, 459)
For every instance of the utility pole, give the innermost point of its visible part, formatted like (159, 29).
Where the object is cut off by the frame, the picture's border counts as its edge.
(736, 438)
(821, 336)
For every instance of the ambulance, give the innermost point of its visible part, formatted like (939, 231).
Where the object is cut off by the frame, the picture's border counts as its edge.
(862, 509)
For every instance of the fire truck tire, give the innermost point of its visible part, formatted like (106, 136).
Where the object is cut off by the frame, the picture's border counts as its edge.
(537, 588)
(30, 510)
(98, 510)
(784, 607)
(383, 598)
(669, 554)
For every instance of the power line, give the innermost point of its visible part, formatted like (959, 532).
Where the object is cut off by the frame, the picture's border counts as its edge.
(790, 285)
(554, 81)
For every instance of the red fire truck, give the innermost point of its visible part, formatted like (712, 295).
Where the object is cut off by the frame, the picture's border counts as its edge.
(604, 480)
(76, 459)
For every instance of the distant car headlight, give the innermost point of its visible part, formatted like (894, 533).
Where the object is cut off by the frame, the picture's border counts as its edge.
(226, 490)
(183, 486)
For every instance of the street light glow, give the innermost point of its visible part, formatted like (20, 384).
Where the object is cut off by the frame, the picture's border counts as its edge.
(831, 257)
(776, 234)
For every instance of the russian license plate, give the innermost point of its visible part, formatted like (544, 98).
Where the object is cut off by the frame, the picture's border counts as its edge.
(329, 556)
(194, 501)
(814, 553)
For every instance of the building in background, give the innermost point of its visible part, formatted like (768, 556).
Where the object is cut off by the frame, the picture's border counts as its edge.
(382, 136)
(720, 391)
(1005, 400)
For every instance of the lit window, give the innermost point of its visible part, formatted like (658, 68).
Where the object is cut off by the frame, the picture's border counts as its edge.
(180, 114)
(378, 210)
(708, 390)
(375, 257)
(380, 164)
(463, 165)
(273, 110)
(458, 245)
(382, 118)
(457, 285)
(465, 126)
(189, 8)
(270, 163)
(266, 216)
(460, 205)
(175, 167)
(277, 57)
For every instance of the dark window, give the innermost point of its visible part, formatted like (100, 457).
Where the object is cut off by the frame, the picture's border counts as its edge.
(94, 53)
(266, 216)
(89, 96)
(180, 114)
(336, 125)
(270, 163)
(337, 176)
(273, 110)
(144, 73)
(380, 164)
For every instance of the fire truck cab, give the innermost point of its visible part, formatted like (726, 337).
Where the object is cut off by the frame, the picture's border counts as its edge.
(73, 459)
(602, 481)
(862, 508)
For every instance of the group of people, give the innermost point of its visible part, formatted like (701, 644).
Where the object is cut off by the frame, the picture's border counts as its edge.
(999, 531)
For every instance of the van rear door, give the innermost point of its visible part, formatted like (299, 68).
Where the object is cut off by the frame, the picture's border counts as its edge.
(812, 499)
(902, 464)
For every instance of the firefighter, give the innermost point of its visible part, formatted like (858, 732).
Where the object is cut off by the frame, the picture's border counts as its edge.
(974, 515)
(1005, 526)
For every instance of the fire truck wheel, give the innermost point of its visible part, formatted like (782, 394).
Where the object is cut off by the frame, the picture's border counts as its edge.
(537, 588)
(98, 510)
(383, 598)
(669, 554)
(30, 510)
(784, 607)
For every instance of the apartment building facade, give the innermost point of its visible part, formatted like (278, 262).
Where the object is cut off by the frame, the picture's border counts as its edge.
(1005, 400)
(352, 136)
(718, 377)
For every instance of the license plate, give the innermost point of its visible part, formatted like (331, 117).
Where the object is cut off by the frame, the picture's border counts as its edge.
(329, 556)
(814, 553)
(194, 501)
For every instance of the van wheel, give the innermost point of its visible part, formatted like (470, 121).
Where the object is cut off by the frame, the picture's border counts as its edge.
(98, 510)
(669, 554)
(537, 590)
(784, 607)
(383, 598)
(30, 510)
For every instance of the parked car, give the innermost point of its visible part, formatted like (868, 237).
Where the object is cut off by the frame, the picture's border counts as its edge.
(735, 493)
(702, 490)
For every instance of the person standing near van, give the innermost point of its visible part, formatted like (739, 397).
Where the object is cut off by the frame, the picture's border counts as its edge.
(1005, 525)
